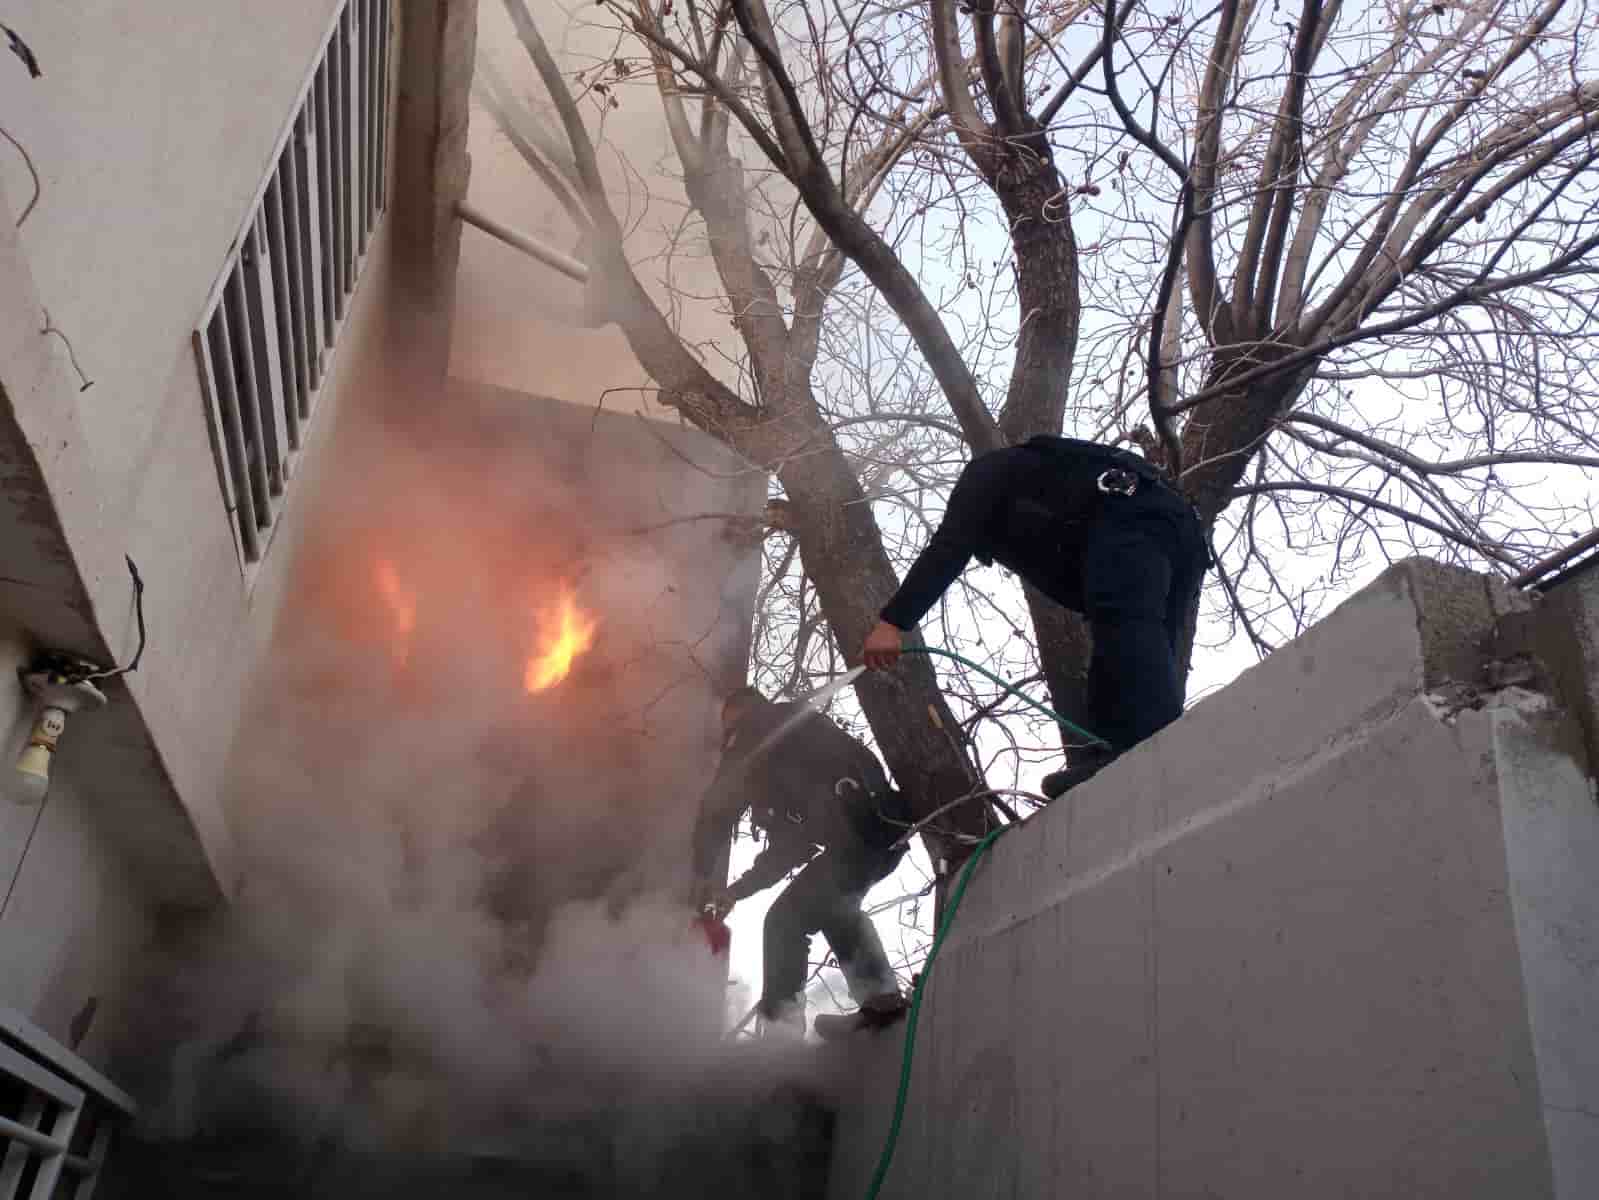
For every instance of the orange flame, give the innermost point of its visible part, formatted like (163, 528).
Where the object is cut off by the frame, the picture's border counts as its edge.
(565, 631)
(401, 603)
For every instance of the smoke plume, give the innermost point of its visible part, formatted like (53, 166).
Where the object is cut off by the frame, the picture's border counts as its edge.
(463, 927)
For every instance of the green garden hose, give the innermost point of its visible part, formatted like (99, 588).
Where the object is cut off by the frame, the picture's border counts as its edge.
(887, 1156)
(1012, 689)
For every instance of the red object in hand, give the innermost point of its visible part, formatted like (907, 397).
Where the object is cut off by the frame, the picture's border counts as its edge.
(717, 935)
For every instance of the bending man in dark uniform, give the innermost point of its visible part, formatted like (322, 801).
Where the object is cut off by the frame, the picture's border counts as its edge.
(809, 786)
(1096, 529)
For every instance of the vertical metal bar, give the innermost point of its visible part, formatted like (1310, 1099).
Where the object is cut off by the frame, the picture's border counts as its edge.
(267, 379)
(349, 126)
(220, 349)
(62, 1129)
(327, 192)
(374, 107)
(17, 1155)
(236, 333)
(99, 1151)
(361, 47)
(366, 23)
(338, 164)
(354, 57)
(385, 49)
(288, 374)
(294, 247)
(226, 443)
(311, 247)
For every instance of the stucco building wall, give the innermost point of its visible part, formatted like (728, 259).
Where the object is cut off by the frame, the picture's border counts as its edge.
(152, 134)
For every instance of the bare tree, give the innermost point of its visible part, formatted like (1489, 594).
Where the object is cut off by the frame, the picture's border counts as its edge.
(1377, 287)
(1340, 284)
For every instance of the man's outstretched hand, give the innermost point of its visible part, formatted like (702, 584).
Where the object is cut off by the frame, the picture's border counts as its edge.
(713, 898)
(882, 647)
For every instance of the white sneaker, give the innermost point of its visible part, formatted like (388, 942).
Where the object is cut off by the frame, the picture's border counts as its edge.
(786, 1025)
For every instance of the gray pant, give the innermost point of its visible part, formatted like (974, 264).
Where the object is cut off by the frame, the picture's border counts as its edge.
(826, 897)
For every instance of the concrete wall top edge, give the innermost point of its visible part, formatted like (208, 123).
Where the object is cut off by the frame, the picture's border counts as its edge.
(1419, 626)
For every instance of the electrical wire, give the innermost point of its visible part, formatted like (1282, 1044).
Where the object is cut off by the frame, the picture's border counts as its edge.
(27, 159)
(22, 861)
(138, 608)
(81, 675)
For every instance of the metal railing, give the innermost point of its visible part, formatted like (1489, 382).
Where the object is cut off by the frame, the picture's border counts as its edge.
(1561, 565)
(264, 342)
(58, 1116)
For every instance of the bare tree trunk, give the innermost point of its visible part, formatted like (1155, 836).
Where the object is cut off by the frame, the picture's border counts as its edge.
(1223, 436)
(843, 554)
(1064, 650)
(1045, 254)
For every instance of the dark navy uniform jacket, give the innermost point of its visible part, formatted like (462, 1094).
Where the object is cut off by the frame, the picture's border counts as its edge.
(1031, 508)
(807, 784)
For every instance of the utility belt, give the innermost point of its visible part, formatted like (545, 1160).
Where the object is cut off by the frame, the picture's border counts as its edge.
(1113, 471)
(1050, 522)
(878, 817)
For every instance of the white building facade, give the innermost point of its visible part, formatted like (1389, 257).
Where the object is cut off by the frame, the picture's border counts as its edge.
(199, 215)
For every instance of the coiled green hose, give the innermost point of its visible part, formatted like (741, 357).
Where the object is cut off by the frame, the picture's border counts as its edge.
(887, 1156)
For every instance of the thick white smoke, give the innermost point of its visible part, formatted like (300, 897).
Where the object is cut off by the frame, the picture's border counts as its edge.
(464, 916)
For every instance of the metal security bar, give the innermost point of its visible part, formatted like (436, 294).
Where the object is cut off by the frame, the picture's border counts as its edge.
(58, 1116)
(263, 345)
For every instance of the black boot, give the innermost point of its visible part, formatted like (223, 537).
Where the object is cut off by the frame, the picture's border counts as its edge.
(1082, 765)
(875, 1013)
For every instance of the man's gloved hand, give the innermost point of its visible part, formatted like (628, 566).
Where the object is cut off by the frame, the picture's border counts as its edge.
(713, 898)
(882, 648)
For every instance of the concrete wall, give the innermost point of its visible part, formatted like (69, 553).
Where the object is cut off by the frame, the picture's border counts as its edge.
(431, 173)
(152, 132)
(1334, 933)
(1568, 647)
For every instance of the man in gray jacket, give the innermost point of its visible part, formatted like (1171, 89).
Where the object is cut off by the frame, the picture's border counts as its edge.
(825, 806)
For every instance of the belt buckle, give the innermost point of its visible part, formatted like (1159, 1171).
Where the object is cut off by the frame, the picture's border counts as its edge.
(1117, 481)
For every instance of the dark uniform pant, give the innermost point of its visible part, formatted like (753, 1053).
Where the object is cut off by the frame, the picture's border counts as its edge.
(826, 897)
(1142, 563)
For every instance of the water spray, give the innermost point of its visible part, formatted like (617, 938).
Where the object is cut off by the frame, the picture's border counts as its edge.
(820, 698)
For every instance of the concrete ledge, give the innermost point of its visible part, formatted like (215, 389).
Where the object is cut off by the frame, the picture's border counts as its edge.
(1325, 936)
(1551, 831)
(1566, 638)
(1419, 626)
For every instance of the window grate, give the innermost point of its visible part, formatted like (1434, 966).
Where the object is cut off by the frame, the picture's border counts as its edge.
(263, 344)
(56, 1134)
